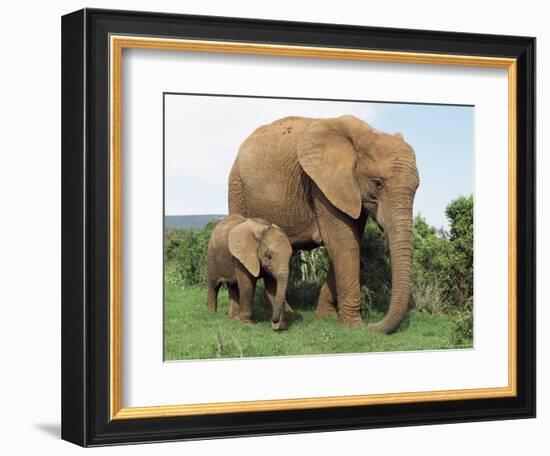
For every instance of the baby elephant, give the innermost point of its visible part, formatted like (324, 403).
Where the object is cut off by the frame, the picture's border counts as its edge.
(241, 250)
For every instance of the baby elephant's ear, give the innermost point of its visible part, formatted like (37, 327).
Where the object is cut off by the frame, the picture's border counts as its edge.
(243, 244)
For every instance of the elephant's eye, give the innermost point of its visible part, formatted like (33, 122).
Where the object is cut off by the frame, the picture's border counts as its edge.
(268, 255)
(378, 184)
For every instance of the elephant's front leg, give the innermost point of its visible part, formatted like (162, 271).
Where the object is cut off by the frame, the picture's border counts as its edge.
(247, 286)
(340, 235)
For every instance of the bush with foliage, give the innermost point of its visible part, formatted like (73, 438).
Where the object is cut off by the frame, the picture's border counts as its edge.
(185, 254)
(443, 262)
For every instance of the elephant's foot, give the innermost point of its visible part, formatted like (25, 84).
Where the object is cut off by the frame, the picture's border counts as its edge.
(320, 313)
(212, 300)
(324, 309)
(326, 305)
(246, 317)
(247, 321)
(234, 311)
(350, 321)
(350, 316)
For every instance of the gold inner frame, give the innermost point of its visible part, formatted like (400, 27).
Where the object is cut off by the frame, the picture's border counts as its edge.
(117, 44)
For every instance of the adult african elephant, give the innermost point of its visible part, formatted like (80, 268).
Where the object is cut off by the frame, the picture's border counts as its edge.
(319, 180)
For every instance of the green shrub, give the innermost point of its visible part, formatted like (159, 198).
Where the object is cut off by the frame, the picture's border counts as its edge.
(428, 298)
(464, 325)
(460, 267)
(185, 254)
(443, 262)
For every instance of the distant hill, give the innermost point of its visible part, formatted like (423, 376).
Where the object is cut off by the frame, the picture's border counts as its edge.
(190, 221)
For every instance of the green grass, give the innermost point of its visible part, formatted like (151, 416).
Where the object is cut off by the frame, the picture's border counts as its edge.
(194, 332)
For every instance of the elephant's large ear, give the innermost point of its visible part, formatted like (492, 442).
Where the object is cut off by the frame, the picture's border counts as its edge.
(243, 244)
(327, 156)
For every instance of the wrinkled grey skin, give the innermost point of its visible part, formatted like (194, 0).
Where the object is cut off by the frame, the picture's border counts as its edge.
(240, 251)
(319, 180)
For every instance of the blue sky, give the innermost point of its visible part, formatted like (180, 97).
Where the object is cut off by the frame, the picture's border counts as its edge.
(203, 134)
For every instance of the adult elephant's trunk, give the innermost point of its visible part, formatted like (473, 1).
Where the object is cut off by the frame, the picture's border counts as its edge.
(277, 316)
(400, 235)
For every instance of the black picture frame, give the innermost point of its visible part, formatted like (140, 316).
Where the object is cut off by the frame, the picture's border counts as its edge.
(85, 227)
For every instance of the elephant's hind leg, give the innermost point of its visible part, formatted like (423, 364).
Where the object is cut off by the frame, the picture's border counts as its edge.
(212, 300)
(327, 304)
(234, 310)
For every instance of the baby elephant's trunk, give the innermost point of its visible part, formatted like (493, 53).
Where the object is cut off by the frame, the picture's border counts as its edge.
(277, 318)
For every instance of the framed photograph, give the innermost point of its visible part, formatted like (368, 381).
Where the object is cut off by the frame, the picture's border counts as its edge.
(278, 227)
